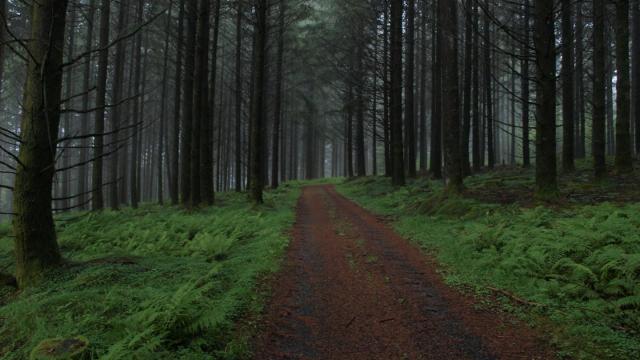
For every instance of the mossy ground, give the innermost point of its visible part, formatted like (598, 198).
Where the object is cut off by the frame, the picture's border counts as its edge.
(153, 283)
(578, 258)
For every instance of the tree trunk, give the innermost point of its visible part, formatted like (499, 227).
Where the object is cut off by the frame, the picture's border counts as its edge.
(175, 134)
(568, 163)
(200, 106)
(397, 155)
(424, 157)
(257, 112)
(636, 70)
(191, 13)
(135, 144)
(409, 95)
(526, 152)
(436, 102)
(83, 176)
(624, 162)
(468, 69)
(491, 153)
(238, 104)
(546, 173)
(448, 17)
(580, 88)
(208, 186)
(101, 92)
(36, 247)
(163, 106)
(361, 169)
(277, 118)
(599, 97)
(477, 162)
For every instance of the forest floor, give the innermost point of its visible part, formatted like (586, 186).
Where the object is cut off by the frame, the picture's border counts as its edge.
(351, 288)
(570, 267)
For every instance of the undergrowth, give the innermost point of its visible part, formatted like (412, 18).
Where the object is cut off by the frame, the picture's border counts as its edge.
(580, 264)
(153, 283)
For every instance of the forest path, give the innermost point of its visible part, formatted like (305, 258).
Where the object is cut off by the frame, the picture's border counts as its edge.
(353, 289)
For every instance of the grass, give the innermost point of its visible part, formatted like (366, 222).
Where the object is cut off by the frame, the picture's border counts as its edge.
(155, 282)
(580, 263)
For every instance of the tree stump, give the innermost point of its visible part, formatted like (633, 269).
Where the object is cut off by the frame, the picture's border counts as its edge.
(75, 348)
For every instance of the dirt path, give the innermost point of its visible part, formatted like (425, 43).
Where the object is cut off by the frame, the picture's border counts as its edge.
(353, 289)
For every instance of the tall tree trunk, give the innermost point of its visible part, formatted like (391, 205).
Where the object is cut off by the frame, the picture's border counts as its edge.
(397, 155)
(208, 185)
(448, 17)
(526, 152)
(277, 118)
(175, 133)
(257, 112)
(436, 102)
(238, 100)
(83, 176)
(477, 156)
(66, 124)
(409, 91)
(163, 106)
(191, 14)
(580, 88)
(599, 97)
(36, 247)
(386, 122)
(546, 173)
(468, 69)
(118, 80)
(101, 92)
(200, 104)
(636, 70)
(135, 144)
(361, 169)
(624, 162)
(568, 118)
(424, 157)
(348, 142)
(491, 146)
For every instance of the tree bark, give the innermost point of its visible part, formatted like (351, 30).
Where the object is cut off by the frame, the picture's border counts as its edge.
(36, 246)
(409, 91)
(83, 176)
(277, 118)
(191, 14)
(526, 151)
(636, 71)
(238, 100)
(257, 112)
(448, 15)
(624, 160)
(397, 154)
(546, 173)
(599, 100)
(468, 69)
(175, 134)
(436, 102)
(477, 162)
(201, 107)
(491, 153)
(568, 108)
(101, 92)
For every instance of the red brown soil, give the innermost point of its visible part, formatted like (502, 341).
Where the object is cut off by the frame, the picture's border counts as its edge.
(353, 289)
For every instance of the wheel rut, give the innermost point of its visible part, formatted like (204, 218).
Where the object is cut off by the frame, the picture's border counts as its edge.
(351, 288)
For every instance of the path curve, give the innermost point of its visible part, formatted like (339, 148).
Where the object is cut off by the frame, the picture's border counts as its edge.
(352, 289)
